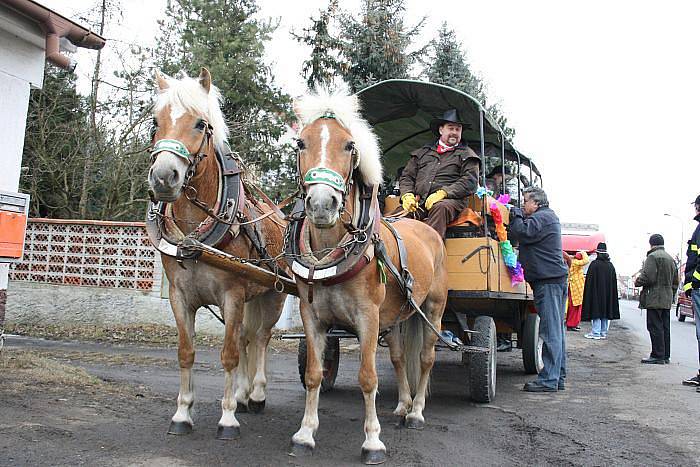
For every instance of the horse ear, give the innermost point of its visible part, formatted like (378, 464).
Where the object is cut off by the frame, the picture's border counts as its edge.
(161, 81)
(205, 79)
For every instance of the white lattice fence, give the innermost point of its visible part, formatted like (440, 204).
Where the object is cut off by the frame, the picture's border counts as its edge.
(88, 253)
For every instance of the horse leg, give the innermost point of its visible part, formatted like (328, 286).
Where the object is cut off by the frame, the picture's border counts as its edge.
(181, 423)
(434, 308)
(242, 380)
(269, 308)
(373, 450)
(398, 359)
(303, 440)
(229, 427)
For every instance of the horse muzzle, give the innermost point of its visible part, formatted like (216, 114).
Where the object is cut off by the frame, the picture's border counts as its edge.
(322, 205)
(165, 179)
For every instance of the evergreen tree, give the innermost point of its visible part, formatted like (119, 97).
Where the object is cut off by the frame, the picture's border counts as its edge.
(376, 45)
(449, 66)
(226, 37)
(324, 63)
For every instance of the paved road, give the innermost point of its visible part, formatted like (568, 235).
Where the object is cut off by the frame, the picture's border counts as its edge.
(684, 345)
(614, 411)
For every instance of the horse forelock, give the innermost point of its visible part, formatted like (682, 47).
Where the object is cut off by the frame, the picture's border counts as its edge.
(187, 94)
(345, 108)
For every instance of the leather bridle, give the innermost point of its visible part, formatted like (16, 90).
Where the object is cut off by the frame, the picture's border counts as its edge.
(178, 148)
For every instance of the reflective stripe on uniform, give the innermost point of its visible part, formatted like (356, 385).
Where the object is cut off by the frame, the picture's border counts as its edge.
(693, 248)
(696, 275)
(687, 286)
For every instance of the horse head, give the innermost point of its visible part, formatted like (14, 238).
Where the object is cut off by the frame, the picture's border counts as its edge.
(334, 147)
(187, 125)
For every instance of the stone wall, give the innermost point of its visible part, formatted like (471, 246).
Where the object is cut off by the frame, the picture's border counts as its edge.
(78, 272)
(29, 303)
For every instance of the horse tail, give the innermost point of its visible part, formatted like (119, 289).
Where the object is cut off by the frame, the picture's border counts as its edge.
(412, 336)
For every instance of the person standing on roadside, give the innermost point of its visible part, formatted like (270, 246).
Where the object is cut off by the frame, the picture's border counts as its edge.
(538, 230)
(659, 282)
(576, 282)
(600, 303)
(691, 286)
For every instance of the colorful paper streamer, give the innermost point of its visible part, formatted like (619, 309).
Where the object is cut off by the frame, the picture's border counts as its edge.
(510, 259)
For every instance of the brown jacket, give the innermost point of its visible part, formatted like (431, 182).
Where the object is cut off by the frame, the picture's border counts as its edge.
(456, 172)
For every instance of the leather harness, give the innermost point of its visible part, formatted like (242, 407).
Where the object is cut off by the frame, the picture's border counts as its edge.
(224, 221)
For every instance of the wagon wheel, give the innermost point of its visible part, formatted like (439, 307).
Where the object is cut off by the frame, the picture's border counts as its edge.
(481, 369)
(532, 344)
(331, 361)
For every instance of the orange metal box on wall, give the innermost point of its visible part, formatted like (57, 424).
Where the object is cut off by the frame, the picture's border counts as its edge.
(13, 225)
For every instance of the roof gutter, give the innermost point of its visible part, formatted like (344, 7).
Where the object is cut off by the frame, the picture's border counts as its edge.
(56, 26)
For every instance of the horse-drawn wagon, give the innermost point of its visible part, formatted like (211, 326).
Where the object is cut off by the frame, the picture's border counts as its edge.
(356, 273)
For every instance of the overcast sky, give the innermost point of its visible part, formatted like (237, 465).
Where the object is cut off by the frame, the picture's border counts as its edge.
(603, 95)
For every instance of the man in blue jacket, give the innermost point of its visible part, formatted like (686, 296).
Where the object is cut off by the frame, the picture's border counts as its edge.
(537, 229)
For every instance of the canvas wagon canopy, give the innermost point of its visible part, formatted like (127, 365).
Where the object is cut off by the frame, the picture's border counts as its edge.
(400, 112)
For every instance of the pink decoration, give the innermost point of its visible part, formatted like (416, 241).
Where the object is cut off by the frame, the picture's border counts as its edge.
(504, 198)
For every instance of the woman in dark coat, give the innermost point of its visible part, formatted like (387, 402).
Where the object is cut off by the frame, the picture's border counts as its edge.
(600, 302)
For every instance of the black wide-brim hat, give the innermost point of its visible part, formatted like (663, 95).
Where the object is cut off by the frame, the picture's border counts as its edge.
(450, 116)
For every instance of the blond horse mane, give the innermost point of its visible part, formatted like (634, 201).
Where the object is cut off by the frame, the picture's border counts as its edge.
(346, 109)
(187, 93)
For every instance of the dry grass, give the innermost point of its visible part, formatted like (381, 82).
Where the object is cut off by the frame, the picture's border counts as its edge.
(143, 334)
(146, 334)
(25, 368)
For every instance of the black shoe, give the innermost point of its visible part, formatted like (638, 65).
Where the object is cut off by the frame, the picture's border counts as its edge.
(561, 386)
(667, 361)
(504, 345)
(534, 386)
(653, 360)
(693, 381)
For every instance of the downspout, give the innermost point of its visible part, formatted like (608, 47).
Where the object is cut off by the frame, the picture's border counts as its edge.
(54, 55)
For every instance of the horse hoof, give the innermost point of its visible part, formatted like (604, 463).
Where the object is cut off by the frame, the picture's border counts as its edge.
(256, 406)
(227, 433)
(415, 423)
(300, 450)
(241, 407)
(373, 457)
(180, 428)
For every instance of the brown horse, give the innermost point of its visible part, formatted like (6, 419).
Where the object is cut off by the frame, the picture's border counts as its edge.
(339, 168)
(188, 128)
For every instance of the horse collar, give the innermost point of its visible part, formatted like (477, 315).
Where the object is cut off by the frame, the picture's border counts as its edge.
(343, 262)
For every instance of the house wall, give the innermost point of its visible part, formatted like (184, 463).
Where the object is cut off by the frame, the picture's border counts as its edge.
(21, 68)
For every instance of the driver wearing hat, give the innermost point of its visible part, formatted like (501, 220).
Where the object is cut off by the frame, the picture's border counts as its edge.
(439, 176)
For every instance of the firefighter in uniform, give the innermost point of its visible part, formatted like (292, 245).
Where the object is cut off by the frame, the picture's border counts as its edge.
(691, 286)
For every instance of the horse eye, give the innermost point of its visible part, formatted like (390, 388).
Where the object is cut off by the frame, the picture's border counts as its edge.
(350, 146)
(200, 125)
(300, 144)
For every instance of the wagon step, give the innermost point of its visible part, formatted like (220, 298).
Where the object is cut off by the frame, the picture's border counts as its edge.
(465, 348)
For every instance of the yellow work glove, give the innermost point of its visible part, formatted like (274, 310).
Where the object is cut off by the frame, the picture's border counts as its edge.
(434, 198)
(409, 203)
